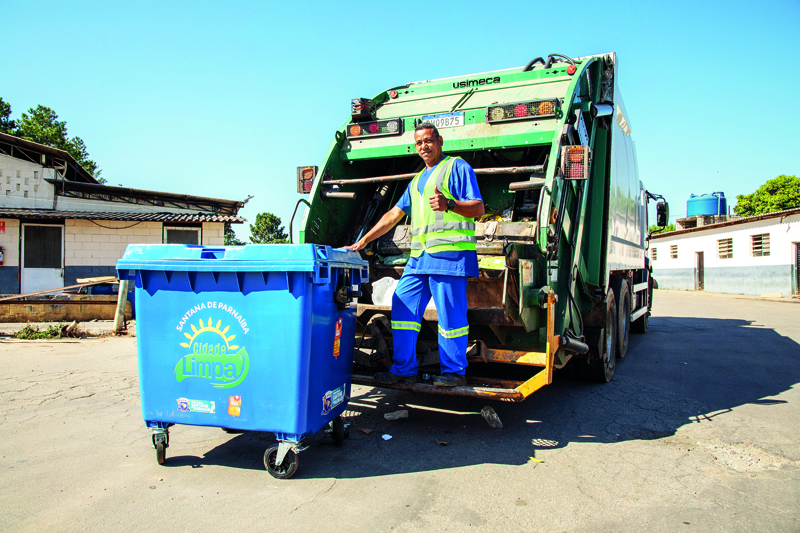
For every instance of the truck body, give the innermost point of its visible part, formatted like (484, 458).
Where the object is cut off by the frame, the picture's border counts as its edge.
(562, 246)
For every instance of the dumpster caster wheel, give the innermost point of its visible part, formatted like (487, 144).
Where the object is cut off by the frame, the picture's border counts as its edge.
(161, 452)
(338, 433)
(288, 466)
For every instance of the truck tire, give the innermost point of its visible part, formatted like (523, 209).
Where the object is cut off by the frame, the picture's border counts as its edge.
(622, 294)
(601, 368)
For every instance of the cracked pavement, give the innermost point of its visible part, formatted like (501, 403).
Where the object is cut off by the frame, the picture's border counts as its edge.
(698, 431)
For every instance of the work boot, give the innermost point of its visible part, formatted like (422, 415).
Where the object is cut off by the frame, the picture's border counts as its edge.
(388, 377)
(450, 380)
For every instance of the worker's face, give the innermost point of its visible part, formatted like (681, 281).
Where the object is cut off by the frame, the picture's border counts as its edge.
(429, 146)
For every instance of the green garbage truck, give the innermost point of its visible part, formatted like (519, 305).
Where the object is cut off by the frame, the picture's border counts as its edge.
(562, 248)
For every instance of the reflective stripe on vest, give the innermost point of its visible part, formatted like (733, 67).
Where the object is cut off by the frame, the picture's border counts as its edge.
(438, 231)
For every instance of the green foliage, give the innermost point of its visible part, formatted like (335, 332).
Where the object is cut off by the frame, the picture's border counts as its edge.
(656, 229)
(41, 125)
(267, 229)
(32, 332)
(230, 237)
(776, 194)
(6, 124)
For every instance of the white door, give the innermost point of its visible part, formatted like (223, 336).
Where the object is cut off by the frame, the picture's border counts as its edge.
(42, 257)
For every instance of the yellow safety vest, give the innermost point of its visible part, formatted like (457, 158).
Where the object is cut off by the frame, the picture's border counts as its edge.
(438, 231)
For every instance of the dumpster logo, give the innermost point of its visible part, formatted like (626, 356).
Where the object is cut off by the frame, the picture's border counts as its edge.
(213, 358)
(332, 399)
(235, 405)
(186, 405)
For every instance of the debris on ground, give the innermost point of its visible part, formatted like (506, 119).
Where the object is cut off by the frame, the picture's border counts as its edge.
(442, 442)
(366, 431)
(396, 415)
(491, 417)
(386, 437)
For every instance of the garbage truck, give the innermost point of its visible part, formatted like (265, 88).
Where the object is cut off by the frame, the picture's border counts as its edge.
(562, 249)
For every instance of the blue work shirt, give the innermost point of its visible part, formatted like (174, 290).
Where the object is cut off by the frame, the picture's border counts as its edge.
(463, 186)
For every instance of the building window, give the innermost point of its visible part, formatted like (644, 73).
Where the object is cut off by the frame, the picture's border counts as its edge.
(673, 251)
(181, 235)
(725, 248)
(654, 254)
(760, 245)
(36, 174)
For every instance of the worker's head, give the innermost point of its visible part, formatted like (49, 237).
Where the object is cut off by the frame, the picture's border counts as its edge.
(428, 143)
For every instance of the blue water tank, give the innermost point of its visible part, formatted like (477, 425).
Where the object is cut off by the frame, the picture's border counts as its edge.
(707, 204)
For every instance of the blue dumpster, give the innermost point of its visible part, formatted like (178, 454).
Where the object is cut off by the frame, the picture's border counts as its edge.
(256, 337)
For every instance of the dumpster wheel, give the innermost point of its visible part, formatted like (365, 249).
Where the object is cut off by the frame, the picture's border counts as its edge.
(338, 433)
(288, 466)
(161, 452)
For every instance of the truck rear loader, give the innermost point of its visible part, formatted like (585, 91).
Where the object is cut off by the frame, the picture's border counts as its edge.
(562, 249)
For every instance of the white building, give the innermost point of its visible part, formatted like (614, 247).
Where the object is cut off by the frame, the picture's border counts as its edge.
(57, 224)
(752, 255)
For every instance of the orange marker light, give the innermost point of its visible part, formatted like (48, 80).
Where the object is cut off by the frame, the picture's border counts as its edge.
(575, 153)
(355, 130)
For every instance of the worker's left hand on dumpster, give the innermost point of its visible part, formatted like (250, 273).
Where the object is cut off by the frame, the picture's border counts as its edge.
(438, 201)
(356, 246)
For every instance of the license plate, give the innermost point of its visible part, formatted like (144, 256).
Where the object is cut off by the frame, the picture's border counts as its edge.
(445, 120)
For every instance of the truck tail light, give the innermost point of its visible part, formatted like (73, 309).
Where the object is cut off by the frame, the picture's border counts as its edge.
(305, 179)
(362, 108)
(575, 162)
(522, 110)
(392, 126)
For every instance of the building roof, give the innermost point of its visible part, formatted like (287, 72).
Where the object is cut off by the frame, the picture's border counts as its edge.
(142, 217)
(44, 155)
(744, 220)
(107, 193)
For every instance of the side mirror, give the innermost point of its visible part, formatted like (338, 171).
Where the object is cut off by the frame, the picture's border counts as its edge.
(662, 213)
(305, 179)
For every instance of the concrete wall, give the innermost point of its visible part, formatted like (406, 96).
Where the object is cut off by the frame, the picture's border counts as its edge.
(741, 274)
(99, 307)
(22, 184)
(92, 248)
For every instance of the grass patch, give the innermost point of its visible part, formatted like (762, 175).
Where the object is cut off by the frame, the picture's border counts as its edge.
(30, 332)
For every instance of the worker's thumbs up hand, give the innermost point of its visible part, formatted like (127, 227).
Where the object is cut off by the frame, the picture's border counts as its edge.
(438, 200)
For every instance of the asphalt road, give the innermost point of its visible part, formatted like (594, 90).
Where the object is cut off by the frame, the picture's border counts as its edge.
(698, 431)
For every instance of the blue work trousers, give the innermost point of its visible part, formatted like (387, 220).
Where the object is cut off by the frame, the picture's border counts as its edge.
(412, 295)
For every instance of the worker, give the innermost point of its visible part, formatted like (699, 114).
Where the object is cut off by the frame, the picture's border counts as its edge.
(443, 202)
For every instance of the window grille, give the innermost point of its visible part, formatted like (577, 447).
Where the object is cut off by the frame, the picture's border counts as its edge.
(654, 254)
(673, 251)
(725, 248)
(760, 245)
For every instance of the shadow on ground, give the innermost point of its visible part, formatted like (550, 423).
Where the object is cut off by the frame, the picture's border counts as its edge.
(684, 370)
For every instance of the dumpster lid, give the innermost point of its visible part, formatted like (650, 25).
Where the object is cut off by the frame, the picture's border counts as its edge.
(251, 257)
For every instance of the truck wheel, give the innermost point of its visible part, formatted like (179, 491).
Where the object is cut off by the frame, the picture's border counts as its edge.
(622, 294)
(601, 368)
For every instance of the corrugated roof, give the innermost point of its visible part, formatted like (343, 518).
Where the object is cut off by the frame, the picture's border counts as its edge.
(777, 214)
(144, 217)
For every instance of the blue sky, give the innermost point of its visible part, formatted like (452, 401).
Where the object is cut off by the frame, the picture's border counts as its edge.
(226, 99)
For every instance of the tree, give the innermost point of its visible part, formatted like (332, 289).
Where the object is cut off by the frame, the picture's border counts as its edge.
(230, 237)
(267, 229)
(6, 124)
(776, 194)
(656, 229)
(41, 125)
